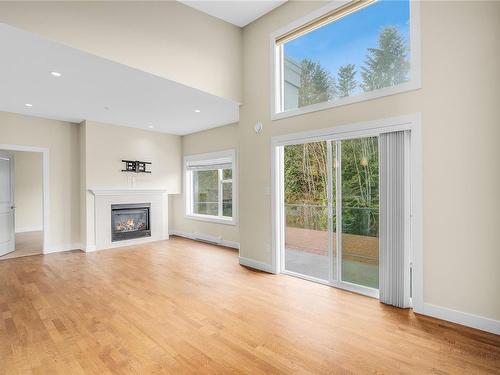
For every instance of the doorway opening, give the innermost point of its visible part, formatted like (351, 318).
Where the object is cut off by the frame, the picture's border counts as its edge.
(326, 205)
(23, 201)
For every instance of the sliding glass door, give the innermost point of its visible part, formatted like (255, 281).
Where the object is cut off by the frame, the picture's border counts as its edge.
(328, 185)
(360, 211)
(307, 210)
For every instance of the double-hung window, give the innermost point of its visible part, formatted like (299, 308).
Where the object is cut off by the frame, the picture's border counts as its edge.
(346, 52)
(210, 184)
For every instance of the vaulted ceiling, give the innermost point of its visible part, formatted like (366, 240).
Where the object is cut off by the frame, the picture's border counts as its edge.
(239, 13)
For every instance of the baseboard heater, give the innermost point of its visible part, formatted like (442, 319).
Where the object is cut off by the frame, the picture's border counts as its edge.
(215, 240)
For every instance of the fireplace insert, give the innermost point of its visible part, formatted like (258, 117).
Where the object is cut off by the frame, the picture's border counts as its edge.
(130, 221)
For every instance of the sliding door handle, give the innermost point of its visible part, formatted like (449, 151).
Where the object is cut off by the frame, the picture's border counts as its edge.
(12, 207)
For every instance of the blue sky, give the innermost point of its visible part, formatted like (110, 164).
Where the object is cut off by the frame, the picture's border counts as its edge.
(345, 41)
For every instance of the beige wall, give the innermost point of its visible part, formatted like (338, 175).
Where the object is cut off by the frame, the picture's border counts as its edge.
(218, 139)
(28, 190)
(107, 145)
(165, 38)
(460, 122)
(105, 148)
(89, 155)
(61, 138)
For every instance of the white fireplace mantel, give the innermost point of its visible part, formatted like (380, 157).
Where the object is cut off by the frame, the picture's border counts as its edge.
(99, 215)
(101, 191)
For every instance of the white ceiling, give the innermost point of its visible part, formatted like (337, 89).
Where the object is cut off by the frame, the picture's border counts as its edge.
(239, 13)
(93, 88)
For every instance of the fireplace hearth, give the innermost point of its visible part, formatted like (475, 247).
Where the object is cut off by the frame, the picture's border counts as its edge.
(130, 221)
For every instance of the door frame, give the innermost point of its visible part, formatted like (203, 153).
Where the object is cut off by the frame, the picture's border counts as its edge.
(411, 123)
(10, 156)
(45, 186)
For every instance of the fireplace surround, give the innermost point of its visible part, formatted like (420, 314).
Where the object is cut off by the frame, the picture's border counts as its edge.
(99, 222)
(129, 221)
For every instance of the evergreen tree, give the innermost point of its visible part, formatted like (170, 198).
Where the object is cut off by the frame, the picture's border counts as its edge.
(386, 65)
(346, 83)
(316, 84)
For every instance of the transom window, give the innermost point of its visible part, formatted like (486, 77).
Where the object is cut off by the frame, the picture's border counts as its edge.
(210, 186)
(350, 52)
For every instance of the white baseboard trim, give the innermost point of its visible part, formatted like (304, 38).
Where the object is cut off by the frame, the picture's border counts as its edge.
(459, 317)
(37, 228)
(60, 248)
(232, 244)
(92, 248)
(192, 236)
(247, 262)
(89, 249)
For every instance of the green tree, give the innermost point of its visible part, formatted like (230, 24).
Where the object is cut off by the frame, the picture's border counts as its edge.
(305, 173)
(346, 83)
(306, 185)
(316, 83)
(386, 65)
(360, 175)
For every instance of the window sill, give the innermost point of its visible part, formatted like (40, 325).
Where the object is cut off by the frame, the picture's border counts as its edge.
(213, 219)
(380, 93)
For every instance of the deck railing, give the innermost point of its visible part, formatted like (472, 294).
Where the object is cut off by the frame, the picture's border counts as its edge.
(355, 220)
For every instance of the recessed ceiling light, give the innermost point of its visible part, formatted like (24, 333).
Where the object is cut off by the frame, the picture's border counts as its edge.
(151, 126)
(28, 105)
(56, 74)
(197, 110)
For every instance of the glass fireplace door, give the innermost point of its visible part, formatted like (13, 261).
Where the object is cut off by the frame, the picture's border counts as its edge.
(130, 221)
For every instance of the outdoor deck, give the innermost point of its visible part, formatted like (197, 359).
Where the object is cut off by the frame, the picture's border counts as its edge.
(306, 252)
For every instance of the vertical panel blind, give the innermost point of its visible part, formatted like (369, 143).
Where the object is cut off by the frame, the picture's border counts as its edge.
(394, 219)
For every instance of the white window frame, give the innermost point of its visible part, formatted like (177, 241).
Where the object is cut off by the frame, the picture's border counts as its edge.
(276, 64)
(188, 187)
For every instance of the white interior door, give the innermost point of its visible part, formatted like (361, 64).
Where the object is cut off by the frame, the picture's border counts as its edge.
(7, 228)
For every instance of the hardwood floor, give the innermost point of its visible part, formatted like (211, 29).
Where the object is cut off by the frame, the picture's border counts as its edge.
(27, 243)
(181, 307)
